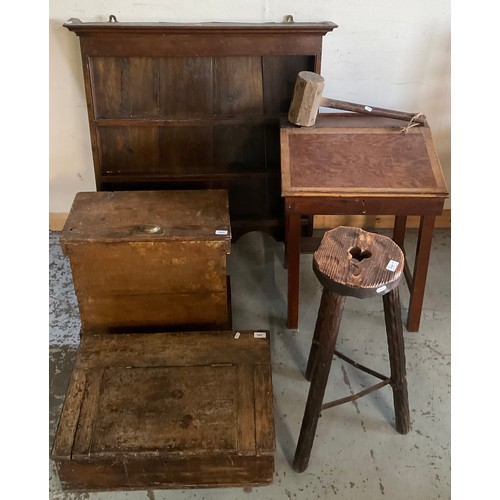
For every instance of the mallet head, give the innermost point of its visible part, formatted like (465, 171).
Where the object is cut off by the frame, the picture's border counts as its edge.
(306, 99)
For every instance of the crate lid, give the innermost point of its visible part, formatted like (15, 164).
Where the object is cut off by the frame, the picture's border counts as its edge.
(166, 402)
(161, 215)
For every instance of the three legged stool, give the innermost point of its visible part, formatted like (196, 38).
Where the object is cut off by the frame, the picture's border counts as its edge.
(356, 263)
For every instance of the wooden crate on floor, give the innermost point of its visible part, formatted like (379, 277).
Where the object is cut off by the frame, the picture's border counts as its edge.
(150, 260)
(167, 410)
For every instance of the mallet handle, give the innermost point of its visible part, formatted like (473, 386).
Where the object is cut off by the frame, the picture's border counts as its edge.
(370, 110)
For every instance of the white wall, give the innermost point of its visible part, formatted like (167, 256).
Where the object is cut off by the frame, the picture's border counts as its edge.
(386, 53)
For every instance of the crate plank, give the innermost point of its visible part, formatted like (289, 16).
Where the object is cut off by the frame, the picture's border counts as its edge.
(87, 414)
(264, 427)
(68, 421)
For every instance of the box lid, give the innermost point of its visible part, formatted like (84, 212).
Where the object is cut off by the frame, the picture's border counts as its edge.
(188, 393)
(148, 216)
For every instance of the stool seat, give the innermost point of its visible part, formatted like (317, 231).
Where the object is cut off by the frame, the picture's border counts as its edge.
(357, 263)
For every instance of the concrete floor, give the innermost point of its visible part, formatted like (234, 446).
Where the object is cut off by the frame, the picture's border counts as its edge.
(357, 453)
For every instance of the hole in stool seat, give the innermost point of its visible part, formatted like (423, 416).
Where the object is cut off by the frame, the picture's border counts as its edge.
(358, 254)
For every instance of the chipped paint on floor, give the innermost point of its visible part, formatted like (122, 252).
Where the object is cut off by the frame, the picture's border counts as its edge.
(357, 453)
(63, 308)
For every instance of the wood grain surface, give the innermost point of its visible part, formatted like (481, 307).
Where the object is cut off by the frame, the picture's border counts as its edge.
(351, 155)
(354, 262)
(126, 278)
(116, 216)
(195, 106)
(156, 409)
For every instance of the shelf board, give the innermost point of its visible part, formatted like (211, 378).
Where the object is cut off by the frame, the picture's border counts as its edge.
(186, 175)
(188, 121)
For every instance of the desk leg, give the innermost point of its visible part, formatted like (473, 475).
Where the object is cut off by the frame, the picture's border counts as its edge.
(423, 252)
(399, 230)
(286, 241)
(293, 261)
(399, 237)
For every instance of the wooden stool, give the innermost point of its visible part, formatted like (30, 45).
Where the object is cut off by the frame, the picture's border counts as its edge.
(353, 262)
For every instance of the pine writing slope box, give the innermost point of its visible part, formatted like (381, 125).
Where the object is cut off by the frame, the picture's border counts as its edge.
(172, 410)
(150, 260)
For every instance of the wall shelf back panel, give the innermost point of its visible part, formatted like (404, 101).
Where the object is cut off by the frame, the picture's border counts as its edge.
(195, 106)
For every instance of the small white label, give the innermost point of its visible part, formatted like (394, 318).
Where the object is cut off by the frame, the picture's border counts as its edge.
(368, 109)
(237, 335)
(221, 231)
(380, 289)
(259, 335)
(392, 266)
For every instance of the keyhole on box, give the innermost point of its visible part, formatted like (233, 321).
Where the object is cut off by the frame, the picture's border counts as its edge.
(358, 254)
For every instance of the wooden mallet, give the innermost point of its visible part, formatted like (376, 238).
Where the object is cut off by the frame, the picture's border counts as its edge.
(307, 99)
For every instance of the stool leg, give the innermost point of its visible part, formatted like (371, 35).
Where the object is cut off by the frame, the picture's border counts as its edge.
(331, 315)
(315, 342)
(395, 343)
